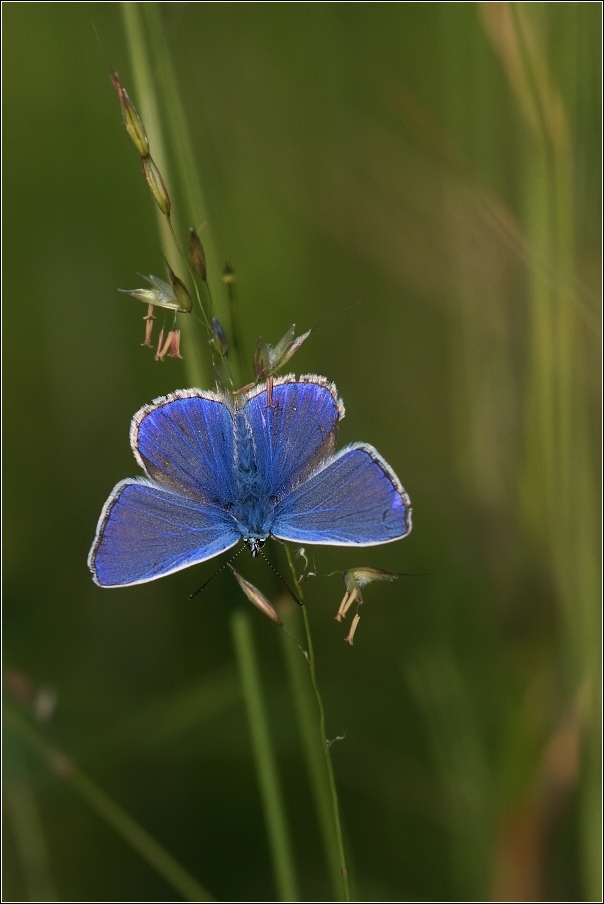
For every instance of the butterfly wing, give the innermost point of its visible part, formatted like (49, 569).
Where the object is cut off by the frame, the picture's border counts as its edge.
(150, 528)
(146, 532)
(355, 499)
(293, 434)
(184, 441)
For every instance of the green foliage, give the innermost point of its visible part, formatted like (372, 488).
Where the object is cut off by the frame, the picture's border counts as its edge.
(441, 164)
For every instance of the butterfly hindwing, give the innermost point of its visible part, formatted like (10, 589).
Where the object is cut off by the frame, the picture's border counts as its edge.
(355, 499)
(146, 532)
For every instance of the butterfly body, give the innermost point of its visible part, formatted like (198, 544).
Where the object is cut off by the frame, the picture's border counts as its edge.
(221, 469)
(252, 504)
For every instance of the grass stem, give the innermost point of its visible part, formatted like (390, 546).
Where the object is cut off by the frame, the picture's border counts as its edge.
(318, 755)
(105, 807)
(264, 755)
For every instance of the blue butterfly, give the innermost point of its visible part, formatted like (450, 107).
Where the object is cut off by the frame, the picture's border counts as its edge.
(220, 469)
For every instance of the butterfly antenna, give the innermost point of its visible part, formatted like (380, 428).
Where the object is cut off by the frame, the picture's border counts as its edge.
(282, 579)
(218, 570)
(335, 314)
(103, 51)
(413, 574)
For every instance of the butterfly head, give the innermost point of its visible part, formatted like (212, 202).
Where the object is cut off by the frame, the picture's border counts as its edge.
(254, 545)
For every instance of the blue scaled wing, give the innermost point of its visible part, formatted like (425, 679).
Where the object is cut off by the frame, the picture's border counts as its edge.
(296, 432)
(146, 532)
(184, 441)
(355, 499)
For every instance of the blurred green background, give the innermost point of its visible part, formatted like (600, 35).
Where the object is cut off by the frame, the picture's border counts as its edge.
(441, 163)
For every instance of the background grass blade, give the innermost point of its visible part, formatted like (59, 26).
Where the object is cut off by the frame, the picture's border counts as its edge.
(265, 760)
(110, 811)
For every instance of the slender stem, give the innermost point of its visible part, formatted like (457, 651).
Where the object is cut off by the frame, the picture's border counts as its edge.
(143, 79)
(328, 762)
(266, 766)
(134, 15)
(120, 821)
(322, 780)
(186, 167)
(23, 816)
(313, 745)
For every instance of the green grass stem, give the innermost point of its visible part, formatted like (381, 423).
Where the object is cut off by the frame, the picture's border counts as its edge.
(105, 807)
(196, 368)
(143, 22)
(264, 755)
(187, 171)
(23, 816)
(314, 753)
(181, 144)
(318, 755)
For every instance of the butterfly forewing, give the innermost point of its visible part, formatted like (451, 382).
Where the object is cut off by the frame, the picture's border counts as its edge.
(184, 442)
(295, 433)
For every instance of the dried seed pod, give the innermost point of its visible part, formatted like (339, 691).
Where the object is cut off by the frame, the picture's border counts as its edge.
(257, 598)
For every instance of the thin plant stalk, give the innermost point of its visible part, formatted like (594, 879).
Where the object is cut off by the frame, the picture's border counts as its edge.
(325, 789)
(323, 782)
(147, 40)
(182, 146)
(26, 826)
(186, 166)
(265, 762)
(195, 366)
(314, 745)
(105, 807)
(264, 755)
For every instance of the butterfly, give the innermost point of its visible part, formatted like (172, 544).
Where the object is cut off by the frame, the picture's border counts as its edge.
(224, 468)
